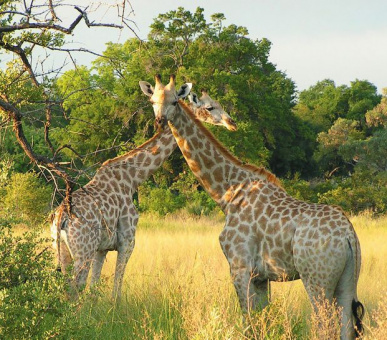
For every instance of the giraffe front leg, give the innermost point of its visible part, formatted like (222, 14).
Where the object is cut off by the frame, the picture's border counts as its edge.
(252, 291)
(253, 294)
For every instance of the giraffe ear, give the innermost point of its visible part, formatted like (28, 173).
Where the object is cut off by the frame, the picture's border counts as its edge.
(184, 90)
(193, 98)
(146, 88)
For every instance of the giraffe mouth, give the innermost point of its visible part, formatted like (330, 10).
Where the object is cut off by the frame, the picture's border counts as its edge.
(231, 125)
(161, 122)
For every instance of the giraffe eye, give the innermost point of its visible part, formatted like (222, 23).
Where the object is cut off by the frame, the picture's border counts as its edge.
(210, 108)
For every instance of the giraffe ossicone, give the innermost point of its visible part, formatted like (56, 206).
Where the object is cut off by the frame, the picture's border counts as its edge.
(103, 217)
(269, 235)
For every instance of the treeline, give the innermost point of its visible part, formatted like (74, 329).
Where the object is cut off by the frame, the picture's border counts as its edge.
(327, 143)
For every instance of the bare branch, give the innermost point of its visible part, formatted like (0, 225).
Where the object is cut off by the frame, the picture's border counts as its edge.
(54, 17)
(36, 25)
(69, 50)
(51, 26)
(47, 125)
(67, 146)
(92, 24)
(21, 53)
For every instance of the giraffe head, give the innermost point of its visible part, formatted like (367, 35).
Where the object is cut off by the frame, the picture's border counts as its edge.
(210, 111)
(165, 98)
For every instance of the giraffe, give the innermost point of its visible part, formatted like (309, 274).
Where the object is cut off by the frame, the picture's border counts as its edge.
(269, 235)
(103, 216)
(206, 108)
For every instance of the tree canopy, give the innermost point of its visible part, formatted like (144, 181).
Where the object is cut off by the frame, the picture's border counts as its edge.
(69, 123)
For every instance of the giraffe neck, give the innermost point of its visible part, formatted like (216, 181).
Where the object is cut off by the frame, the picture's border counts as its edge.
(220, 173)
(134, 167)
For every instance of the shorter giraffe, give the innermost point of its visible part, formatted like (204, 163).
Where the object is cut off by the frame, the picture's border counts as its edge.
(269, 235)
(207, 109)
(103, 216)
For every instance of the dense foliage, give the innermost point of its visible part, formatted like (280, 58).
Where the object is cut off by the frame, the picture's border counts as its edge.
(32, 300)
(327, 142)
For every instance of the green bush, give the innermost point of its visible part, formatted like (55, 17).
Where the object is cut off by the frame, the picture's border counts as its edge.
(200, 203)
(361, 192)
(159, 200)
(307, 191)
(26, 198)
(33, 303)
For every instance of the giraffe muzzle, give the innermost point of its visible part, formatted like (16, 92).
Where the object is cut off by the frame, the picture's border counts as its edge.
(161, 122)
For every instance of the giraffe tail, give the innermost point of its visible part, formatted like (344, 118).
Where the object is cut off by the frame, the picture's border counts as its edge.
(357, 307)
(358, 313)
(58, 220)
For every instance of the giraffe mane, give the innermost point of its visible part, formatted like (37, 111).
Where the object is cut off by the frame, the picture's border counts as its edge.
(249, 167)
(140, 148)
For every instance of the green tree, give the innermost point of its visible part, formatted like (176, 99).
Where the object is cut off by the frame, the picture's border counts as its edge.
(362, 98)
(26, 199)
(28, 100)
(335, 114)
(322, 104)
(366, 188)
(377, 116)
(329, 155)
(222, 59)
(32, 303)
(237, 71)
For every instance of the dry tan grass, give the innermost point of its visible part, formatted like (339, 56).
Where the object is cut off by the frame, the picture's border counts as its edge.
(178, 264)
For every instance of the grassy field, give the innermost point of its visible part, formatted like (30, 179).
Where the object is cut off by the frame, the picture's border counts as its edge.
(177, 286)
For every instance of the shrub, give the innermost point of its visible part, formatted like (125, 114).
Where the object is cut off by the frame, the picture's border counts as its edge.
(26, 198)
(307, 191)
(200, 204)
(360, 192)
(33, 302)
(160, 200)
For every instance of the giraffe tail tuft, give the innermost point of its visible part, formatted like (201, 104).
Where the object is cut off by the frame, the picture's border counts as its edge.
(358, 313)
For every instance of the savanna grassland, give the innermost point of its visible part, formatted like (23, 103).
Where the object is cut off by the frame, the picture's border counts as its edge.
(177, 286)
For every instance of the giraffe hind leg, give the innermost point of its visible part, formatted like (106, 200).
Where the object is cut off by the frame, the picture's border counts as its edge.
(98, 262)
(81, 271)
(123, 256)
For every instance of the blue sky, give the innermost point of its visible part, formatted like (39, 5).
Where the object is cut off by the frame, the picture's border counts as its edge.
(311, 40)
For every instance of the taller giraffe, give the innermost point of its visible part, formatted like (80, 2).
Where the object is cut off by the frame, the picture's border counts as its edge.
(104, 217)
(269, 235)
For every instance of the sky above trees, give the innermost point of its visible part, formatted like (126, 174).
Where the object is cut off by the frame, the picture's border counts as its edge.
(340, 40)
(312, 40)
